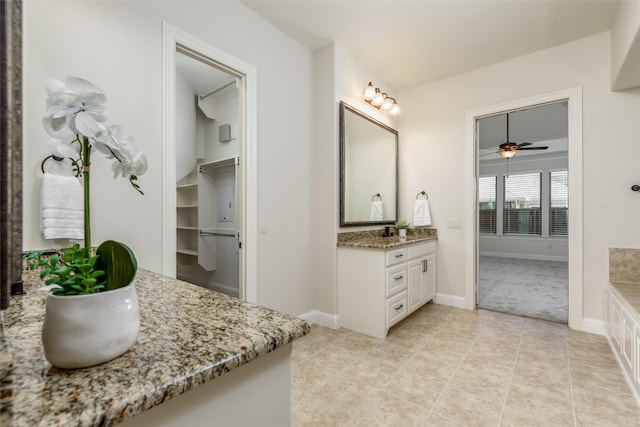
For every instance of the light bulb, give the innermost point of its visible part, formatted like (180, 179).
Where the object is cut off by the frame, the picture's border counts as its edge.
(378, 98)
(387, 104)
(395, 109)
(507, 154)
(369, 92)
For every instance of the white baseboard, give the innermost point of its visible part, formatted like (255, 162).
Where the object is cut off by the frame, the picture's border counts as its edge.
(320, 318)
(452, 300)
(594, 326)
(526, 256)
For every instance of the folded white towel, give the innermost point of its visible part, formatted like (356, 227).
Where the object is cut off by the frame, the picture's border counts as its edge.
(61, 207)
(376, 213)
(421, 213)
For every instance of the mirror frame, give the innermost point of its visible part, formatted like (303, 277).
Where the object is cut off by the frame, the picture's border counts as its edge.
(11, 152)
(344, 223)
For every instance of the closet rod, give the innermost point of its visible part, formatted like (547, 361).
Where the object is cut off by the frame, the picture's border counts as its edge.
(218, 90)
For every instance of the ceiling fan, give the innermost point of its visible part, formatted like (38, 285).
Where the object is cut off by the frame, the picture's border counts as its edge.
(508, 149)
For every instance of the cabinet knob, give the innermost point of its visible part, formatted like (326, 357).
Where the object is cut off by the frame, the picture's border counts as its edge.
(399, 255)
(398, 307)
(399, 278)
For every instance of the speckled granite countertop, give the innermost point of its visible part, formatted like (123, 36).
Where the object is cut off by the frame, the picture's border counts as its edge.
(188, 336)
(624, 275)
(373, 238)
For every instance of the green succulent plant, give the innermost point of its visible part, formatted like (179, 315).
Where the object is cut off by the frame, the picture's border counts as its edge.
(400, 224)
(76, 271)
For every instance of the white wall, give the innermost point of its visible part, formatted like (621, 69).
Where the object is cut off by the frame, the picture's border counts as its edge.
(625, 46)
(338, 77)
(432, 135)
(185, 127)
(118, 47)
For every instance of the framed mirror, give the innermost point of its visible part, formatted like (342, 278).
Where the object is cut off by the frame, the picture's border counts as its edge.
(368, 170)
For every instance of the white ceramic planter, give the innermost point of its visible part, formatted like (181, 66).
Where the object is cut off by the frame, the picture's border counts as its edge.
(403, 233)
(85, 330)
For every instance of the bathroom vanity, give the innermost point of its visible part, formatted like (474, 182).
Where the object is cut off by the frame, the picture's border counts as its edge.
(201, 358)
(383, 279)
(622, 313)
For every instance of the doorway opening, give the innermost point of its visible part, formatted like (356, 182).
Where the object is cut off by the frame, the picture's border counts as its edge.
(511, 214)
(209, 161)
(208, 246)
(522, 204)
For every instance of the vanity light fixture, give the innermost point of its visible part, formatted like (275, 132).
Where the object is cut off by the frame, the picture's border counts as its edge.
(380, 100)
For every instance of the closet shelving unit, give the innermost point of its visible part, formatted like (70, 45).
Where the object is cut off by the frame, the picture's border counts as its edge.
(198, 200)
(187, 217)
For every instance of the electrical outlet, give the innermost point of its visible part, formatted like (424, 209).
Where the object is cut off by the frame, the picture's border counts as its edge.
(454, 223)
(263, 226)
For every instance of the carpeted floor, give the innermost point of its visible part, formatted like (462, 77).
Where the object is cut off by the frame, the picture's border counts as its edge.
(525, 287)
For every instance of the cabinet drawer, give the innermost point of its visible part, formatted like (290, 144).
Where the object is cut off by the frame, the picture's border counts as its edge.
(422, 249)
(396, 256)
(396, 279)
(396, 308)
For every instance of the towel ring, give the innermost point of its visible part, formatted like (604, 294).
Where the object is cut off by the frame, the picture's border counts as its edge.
(376, 195)
(57, 159)
(422, 193)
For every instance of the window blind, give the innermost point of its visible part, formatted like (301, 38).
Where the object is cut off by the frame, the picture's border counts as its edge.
(522, 204)
(559, 206)
(487, 201)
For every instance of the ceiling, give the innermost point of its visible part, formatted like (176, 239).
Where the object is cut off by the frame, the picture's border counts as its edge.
(411, 43)
(203, 78)
(545, 125)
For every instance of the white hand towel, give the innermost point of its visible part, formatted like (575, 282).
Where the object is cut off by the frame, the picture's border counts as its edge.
(421, 213)
(376, 213)
(61, 207)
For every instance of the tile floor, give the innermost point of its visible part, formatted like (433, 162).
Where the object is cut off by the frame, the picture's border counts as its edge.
(452, 367)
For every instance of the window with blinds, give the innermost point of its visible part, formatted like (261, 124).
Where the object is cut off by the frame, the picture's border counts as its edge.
(559, 206)
(522, 204)
(487, 201)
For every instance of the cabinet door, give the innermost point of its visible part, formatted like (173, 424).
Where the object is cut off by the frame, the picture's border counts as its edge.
(429, 279)
(415, 283)
(628, 337)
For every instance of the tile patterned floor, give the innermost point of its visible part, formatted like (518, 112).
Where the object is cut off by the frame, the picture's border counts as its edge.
(451, 367)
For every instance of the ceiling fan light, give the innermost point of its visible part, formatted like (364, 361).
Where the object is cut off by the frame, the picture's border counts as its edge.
(507, 154)
(369, 92)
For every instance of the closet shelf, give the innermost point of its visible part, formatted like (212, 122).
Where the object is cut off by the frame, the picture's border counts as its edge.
(189, 252)
(231, 161)
(187, 228)
(187, 186)
(186, 206)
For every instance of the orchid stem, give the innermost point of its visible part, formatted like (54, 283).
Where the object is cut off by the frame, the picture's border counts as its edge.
(86, 163)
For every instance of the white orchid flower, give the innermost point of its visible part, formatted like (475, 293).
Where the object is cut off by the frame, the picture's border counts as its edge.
(67, 100)
(63, 149)
(131, 161)
(75, 113)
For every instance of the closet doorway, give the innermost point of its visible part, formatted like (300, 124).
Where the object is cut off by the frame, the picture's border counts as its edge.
(522, 211)
(209, 184)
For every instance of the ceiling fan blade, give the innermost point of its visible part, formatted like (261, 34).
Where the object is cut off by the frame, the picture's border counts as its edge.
(488, 154)
(533, 148)
(524, 144)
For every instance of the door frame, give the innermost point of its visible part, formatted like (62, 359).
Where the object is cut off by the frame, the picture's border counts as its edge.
(247, 74)
(575, 239)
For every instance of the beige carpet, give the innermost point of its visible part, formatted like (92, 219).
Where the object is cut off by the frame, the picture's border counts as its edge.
(529, 288)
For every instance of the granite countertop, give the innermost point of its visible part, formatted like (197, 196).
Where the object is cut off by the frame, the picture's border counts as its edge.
(373, 238)
(624, 275)
(188, 335)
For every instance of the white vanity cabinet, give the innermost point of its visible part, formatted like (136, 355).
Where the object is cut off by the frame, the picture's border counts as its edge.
(379, 288)
(623, 332)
